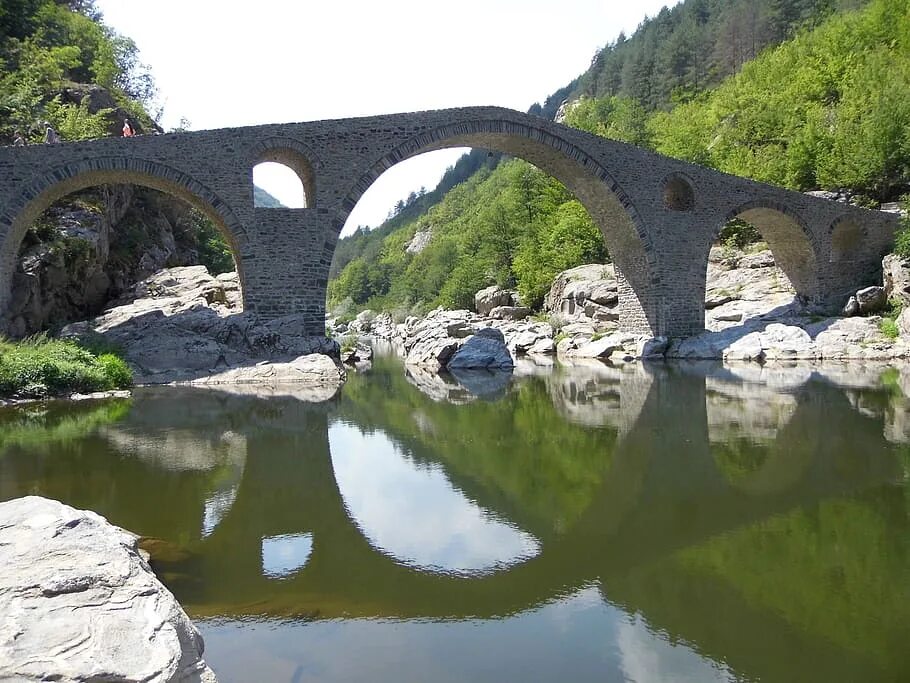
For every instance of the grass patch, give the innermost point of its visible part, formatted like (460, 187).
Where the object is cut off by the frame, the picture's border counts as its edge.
(348, 343)
(888, 327)
(40, 367)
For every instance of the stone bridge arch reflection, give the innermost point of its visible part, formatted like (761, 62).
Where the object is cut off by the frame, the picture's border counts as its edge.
(666, 494)
(663, 492)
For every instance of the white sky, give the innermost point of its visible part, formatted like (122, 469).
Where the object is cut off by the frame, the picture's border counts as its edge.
(221, 63)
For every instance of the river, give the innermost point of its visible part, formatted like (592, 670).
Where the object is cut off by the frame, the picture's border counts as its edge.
(579, 523)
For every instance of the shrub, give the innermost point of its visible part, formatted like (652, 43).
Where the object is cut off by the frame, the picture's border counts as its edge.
(40, 367)
(902, 236)
(116, 370)
(348, 343)
(738, 234)
(888, 327)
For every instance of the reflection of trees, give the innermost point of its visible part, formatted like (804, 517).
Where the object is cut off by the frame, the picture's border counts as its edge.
(515, 455)
(40, 426)
(788, 562)
(837, 571)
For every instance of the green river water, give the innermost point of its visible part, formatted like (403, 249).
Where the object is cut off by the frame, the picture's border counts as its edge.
(586, 523)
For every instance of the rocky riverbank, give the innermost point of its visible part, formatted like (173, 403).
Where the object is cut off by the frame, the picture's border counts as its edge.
(184, 325)
(78, 602)
(752, 314)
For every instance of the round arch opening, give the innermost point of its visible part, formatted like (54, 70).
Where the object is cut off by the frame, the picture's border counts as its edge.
(761, 264)
(102, 232)
(498, 221)
(276, 186)
(678, 194)
(626, 240)
(283, 174)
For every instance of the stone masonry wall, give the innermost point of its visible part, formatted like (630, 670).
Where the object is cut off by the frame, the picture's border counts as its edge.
(659, 216)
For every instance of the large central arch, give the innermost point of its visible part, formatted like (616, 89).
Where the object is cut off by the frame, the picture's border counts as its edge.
(43, 191)
(611, 208)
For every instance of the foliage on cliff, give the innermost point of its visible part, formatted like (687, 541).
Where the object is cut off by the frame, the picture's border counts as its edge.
(828, 109)
(366, 243)
(49, 46)
(62, 64)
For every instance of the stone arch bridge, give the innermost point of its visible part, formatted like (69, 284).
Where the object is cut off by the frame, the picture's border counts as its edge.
(659, 216)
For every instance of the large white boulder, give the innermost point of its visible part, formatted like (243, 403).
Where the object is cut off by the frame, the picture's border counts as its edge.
(79, 603)
(896, 276)
(582, 291)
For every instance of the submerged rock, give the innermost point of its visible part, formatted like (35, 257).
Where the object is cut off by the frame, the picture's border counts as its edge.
(79, 603)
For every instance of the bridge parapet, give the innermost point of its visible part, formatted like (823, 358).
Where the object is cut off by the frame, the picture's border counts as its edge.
(659, 216)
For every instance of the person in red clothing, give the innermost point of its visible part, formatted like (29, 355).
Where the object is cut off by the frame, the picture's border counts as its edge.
(127, 129)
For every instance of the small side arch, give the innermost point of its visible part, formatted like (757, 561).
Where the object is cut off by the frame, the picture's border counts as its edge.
(42, 191)
(678, 192)
(847, 237)
(625, 233)
(291, 153)
(788, 236)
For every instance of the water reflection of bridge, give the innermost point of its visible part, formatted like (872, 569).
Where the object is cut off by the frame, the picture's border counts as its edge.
(264, 470)
(665, 490)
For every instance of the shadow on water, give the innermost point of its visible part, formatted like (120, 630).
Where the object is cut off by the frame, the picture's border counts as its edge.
(760, 516)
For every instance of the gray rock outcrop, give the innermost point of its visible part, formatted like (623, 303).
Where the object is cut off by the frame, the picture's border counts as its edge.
(78, 603)
(510, 312)
(419, 241)
(91, 249)
(752, 314)
(585, 292)
(866, 300)
(184, 325)
(896, 279)
(493, 297)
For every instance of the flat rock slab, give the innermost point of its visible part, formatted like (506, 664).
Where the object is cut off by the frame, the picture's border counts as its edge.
(78, 603)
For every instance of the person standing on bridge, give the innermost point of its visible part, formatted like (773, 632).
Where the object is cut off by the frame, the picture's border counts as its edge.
(50, 135)
(19, 139)
(128, 131)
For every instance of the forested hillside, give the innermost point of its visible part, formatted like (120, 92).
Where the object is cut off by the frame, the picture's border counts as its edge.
(695, 45)
(61, 64)
(818, 110)
(828, 109)
(512, 222)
